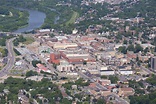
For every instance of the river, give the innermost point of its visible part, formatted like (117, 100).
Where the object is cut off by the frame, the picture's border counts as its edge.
(35, 20)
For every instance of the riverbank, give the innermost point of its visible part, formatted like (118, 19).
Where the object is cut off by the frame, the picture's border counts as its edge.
(33, 22)
(16, 19)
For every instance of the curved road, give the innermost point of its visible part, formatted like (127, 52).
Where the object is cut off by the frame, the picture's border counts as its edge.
(11, 58)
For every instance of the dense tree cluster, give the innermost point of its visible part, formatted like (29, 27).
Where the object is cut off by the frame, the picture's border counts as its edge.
(4, 52)
(12, 19)
(31, 73)
(4, 11)
(137, 48)
(45, 87)
(152, 80)
(143, 99)
(113, 79)
(79, 82)
(18, 40)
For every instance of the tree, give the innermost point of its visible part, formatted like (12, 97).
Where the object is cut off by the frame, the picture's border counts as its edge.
(138, 63)
(34, 62)
(113, 79)
(104, 77)
(16, 52)
(51, 35)
(151, 80)
(84, 62)
(131, 48)
(21, 38)
(137, 58)
(138, 48)
(2, 42)
(125, 42)
(4, 52)
(122, 49)
(31, 73)
(146, 50)
(65, 101)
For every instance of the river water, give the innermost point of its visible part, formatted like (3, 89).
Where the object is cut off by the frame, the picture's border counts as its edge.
(36, 19)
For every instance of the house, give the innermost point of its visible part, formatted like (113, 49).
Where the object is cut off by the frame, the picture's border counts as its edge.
(104, 82)
(74, 87)
(93, 92)
(125, 92)
(131, 55)
(41, 67)
(92, 85)
(105, 92)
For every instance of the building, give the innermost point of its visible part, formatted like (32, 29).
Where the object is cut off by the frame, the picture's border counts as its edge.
(44, 30)
(107, 72)
(126, 72)
(131, 55)
(153, 63)
(112, 61)
(104, 82)
(55, 58)
(41, 67)
(124, 92)
(77, 57)
(65, 67)
(64, 45)
(144, 46)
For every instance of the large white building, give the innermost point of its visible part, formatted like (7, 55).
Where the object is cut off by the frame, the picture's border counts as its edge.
(126, 72)
(107, 72)
(65, 66)
(64, 45)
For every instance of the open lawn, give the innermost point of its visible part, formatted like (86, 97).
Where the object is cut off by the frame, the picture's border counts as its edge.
(73, 18)
(29, 40)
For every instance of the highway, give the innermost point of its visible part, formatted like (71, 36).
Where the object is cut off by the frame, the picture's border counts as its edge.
(10, 57)
(100, 87)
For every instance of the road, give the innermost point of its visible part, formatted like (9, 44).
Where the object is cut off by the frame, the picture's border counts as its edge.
(143, 68)
(147, 70)
(11, 58)
(100, 87)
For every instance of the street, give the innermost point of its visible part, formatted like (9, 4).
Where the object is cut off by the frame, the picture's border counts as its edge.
(11, 58)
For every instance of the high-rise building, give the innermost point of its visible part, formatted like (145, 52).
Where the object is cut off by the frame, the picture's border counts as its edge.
(153, 63)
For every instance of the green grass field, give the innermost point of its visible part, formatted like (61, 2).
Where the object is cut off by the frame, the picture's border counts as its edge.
(73, 18)
(29, 40)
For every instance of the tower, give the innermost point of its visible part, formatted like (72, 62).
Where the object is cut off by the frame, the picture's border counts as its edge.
(153, 63)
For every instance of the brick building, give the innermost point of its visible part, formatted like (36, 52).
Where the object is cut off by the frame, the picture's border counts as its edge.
(55, 58)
